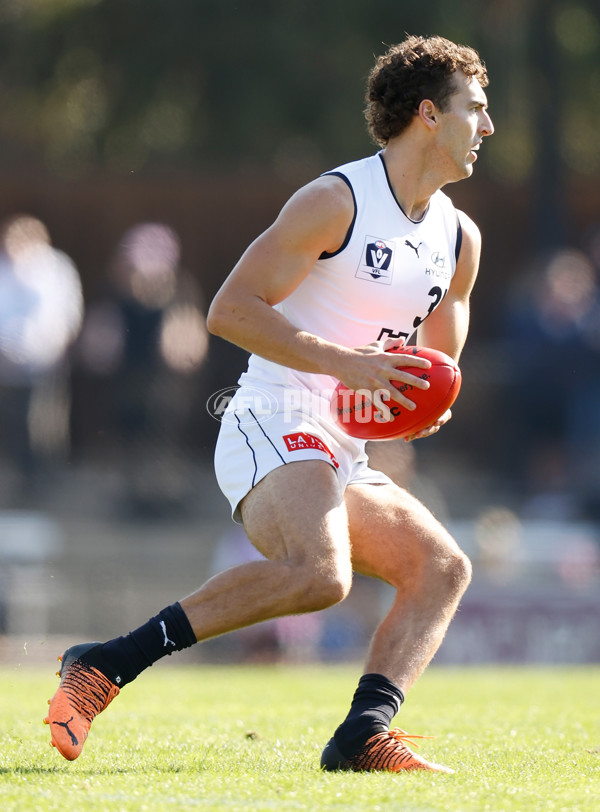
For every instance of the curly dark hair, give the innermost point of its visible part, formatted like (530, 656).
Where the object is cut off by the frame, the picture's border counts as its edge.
(416, 69)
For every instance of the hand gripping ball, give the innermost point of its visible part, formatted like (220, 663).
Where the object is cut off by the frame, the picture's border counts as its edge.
(374, 416)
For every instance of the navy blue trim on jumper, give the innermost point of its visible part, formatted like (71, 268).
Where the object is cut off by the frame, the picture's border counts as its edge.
(459, 236)
(326, 254)
(387, 177)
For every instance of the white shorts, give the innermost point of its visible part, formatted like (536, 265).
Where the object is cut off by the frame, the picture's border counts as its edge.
(261, 430)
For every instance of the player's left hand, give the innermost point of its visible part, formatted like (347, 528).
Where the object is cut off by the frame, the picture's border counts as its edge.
(435, 427)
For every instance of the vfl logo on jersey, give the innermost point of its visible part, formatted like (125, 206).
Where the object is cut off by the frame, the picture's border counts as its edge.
(377, 262)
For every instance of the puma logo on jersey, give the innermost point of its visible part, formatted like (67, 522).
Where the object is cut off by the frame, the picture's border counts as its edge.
(415, 248)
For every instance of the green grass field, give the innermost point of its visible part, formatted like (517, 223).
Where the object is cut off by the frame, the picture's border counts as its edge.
(250, 738)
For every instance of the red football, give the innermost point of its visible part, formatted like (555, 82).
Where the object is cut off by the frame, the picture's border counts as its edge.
(381, 418)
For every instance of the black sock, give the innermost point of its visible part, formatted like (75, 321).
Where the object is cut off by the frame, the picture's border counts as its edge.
(124, 658)
(375, 703)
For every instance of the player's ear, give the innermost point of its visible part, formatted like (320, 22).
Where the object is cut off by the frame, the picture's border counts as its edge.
(428, 113)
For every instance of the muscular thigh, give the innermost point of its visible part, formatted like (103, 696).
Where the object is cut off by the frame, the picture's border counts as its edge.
(392, 534)
(297, 513)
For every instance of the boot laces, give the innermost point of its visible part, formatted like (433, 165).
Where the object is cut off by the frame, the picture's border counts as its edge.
(402, 737)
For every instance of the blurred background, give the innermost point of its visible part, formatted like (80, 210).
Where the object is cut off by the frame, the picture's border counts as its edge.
(143, 145)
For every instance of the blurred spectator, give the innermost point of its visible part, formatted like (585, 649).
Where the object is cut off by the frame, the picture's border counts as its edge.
(579, 563)
(41, 310)
(549, 493)
(553, 337)
(147, 334)
(498, 534)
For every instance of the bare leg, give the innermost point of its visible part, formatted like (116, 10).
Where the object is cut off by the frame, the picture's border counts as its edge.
(395, 538)
(297, 518)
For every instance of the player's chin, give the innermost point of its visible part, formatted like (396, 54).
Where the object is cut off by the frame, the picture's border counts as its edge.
(463, 171)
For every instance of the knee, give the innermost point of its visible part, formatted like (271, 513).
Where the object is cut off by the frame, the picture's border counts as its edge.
(455, 570)
(321, 589)
(463, 569)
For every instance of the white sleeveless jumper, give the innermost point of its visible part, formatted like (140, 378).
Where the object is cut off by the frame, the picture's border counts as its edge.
(387, 277)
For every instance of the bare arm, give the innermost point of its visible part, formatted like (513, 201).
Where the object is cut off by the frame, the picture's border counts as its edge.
(314, 220)
(447, 327)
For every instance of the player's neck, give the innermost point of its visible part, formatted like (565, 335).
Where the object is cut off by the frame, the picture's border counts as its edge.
(411, 177)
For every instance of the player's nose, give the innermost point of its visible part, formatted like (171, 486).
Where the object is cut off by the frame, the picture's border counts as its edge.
(486, 127)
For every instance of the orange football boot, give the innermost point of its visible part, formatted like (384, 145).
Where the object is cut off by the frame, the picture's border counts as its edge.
(386, 751)
(82, 694)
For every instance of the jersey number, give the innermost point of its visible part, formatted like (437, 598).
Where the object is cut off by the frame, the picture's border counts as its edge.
(437, 294)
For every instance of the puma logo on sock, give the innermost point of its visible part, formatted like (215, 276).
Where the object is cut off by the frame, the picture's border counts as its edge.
(167, 640)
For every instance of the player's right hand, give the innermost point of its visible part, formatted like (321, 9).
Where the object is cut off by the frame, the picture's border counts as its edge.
(373, 368)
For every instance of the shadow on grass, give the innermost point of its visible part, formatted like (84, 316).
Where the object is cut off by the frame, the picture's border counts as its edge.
(109, 769)
(60, 770)
(22, 770)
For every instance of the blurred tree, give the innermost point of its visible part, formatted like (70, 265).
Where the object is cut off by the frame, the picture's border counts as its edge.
(149, 86)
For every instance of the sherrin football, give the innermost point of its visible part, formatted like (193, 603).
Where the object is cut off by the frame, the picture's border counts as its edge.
(380, 418)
